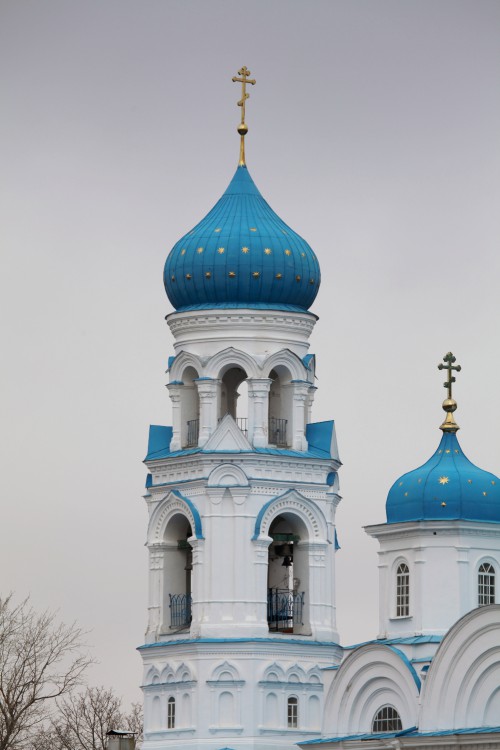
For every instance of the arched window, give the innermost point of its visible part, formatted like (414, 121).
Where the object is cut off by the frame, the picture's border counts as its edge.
(402, 590)
(292, 706)
(486, 584)
(171, 713)
(387, 719)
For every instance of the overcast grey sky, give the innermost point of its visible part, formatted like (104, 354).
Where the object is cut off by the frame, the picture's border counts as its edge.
(374, 132)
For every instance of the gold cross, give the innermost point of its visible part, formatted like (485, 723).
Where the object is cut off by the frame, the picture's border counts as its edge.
(244, 79)
(449, 366)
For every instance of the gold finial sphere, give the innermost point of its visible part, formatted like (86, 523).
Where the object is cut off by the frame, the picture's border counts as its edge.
(449, 405)
(242, 128)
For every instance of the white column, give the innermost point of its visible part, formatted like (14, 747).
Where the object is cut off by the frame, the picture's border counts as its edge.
(207, 393)
(296, 426)
(258, 411)
(156, 561)
(174, 391)
(310, 400)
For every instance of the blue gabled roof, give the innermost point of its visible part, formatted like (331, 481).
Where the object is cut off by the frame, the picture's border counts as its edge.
(411, 732)
(242, 255)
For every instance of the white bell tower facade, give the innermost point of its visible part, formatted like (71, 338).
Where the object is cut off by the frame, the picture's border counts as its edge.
(241, 492)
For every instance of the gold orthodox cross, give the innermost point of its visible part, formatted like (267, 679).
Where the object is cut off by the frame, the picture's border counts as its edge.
(242, 128)
(449, 366)
(244, 79)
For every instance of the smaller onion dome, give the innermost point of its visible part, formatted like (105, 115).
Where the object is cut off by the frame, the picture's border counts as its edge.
(242, 255)
(448, 486)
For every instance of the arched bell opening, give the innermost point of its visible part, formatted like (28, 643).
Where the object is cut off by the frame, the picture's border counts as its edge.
(280, 407)
(288, 575)
(178, 568)
(190, 409)
(233, 386)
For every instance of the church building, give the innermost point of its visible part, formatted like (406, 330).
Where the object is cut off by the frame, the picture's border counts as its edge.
(242, 649)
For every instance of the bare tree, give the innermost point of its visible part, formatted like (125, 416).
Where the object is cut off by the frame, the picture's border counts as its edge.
(40, 660)
(83, 720)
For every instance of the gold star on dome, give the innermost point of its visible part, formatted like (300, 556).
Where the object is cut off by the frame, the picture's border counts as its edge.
(456, 450)
(220, 250)
(406, 494)
(218, 229)
(256, 274)
(288, 252)
(297, 278)
(484, 493)
(443, 480)
(244, 250)
(470, 481)
(419, 480)
(173, 278)
(208, 274)
(279, 276)
(492, 481)
(303, 255)
(231, 274)
(400, 484)
(268, 251)
(447, 450)
(200, 250)
(188, 276)
(253, 229)
(183, 251)
(284, 231)
(311, 281)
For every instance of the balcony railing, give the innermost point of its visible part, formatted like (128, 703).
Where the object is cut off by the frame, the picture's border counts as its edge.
(193, 433)
(277, 432)
(180, 610)
(284, 609)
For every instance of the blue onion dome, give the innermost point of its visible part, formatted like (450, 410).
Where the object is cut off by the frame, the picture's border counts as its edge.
(448, 486)
(242, 255)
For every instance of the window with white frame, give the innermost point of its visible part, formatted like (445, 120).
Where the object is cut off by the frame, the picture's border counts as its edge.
(402, 590)
(386, 719)
(486, 584)
(171, 713)
(292, 712)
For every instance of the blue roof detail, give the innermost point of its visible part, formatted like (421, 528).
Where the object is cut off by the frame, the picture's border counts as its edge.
(307, 360)
(284, 639)
(411, 732)
(319, 436)
(412, 640)
(408, 664)
(448, 486)
(336, 541)
(171, 361)
(149, 481)
(242, 254)
(159, 441)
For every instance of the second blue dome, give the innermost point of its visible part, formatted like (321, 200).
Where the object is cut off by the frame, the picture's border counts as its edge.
(242, 255)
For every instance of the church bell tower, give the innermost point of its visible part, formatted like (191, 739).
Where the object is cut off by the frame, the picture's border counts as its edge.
(241, 491)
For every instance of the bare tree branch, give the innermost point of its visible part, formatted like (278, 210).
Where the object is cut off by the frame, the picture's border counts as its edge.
(40, 660)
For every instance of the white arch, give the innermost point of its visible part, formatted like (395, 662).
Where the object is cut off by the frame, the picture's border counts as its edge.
(231, 357)
(464, 674)
(288, 359)
(223, 669)
(296, 504)
(372, 676)
(227, 475)
(181, 362)
(172, 504)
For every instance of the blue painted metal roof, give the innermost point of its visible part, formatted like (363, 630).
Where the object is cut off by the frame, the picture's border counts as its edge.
(160, 437)
(409, 641)
(448, 486)
(284, 639)
(411, 732)
(242, 254)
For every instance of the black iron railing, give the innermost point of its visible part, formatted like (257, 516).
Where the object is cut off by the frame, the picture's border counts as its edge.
(277, 432)
(284, 609)
(180, 610)
(193, 433)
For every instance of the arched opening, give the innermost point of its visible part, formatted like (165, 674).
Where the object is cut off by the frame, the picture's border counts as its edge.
(171, 713)
(280, 406)
(486, 584)
(387, 719)
(178, 566)
(233, 386)
(314, 713)
(403, 590)
(292, 711)
(226, 709)
(287, 575)
(271, 710)
(190, 409)
(156, 713)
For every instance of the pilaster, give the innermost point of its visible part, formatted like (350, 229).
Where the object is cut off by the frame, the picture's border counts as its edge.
(258, 410)
(174, 391)
(208, 393)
